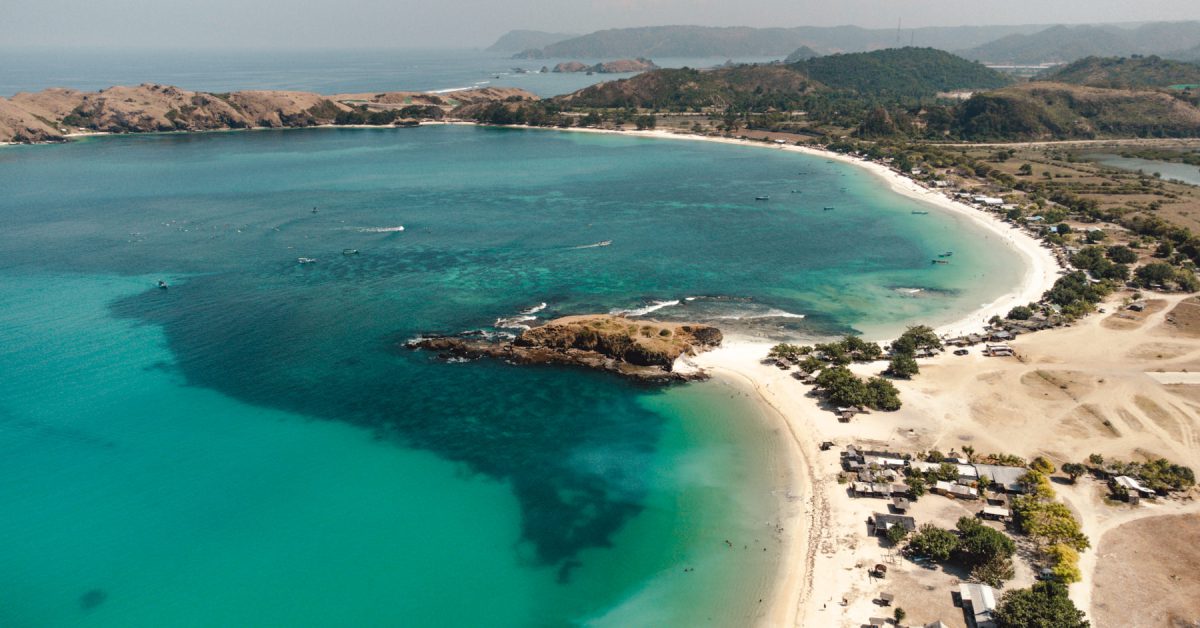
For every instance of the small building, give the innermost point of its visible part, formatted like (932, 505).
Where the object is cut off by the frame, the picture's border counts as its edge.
(1133, 486)
(979, 604)
(1007, 479)
(901, 504)
(1137, 306)
(955, 490)
(880, 523)
(1000, 336)
(885, 462)
(872, 489)
(995, 513)
(999, 351)
(886, 599)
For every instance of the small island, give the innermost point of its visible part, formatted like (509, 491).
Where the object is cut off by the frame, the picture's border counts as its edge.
(644, 350)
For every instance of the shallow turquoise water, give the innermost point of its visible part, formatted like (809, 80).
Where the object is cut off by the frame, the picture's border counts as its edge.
(250, 447)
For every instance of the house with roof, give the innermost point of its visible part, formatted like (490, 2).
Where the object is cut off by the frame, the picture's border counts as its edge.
(1003, 478)
(979, 604)
(1133, 487)
(880, 523)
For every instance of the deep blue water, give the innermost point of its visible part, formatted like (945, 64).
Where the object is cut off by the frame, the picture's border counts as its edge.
(251, 446)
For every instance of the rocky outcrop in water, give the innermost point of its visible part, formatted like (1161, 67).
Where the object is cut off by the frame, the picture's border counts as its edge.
(639, 349)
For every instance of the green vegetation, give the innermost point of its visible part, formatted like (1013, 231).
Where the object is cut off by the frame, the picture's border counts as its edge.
(1045, 605)
(901, 72)
(903, 365)
(843, 388)
(1076, 295)
(985, 551)
(1124, 72)
(1158, 475)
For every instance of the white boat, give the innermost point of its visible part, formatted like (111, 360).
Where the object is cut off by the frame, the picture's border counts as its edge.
(349, 251)
(306, 260)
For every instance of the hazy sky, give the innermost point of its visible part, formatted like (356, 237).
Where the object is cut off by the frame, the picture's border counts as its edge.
(470, 23)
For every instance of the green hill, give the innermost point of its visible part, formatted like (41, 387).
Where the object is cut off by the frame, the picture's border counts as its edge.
(752, 87)
(908, 72)
(1047, 111)
(1125, 72)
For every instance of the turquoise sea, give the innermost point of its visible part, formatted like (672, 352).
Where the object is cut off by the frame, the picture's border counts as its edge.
(251, 447)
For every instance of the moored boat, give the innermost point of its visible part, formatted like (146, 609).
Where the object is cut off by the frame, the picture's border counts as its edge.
(306, 260)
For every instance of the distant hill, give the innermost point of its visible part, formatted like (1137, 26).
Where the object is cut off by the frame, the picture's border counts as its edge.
(748, 86)
(1058, 111)
(518, 40)
(891, 73)
(1069, 43)
(803, 53)
(741, 41)
(913, 72)
(1124, 72)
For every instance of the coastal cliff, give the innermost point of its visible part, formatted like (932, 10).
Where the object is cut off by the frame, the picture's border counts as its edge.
(639, 349)
(53, 114)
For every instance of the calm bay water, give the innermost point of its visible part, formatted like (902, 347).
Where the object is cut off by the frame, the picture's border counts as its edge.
(327, 72)
(250, 447)
(1184, 173)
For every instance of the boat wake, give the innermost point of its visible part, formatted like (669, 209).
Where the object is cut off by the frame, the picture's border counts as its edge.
(593, 245)
(396, 229)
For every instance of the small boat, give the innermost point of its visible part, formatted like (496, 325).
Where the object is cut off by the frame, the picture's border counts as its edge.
(939, 261)
(314, 210)
(349, 251)
(797, 191)
(306, 260)
(917, 213)
(604, 243)
(762, 198)
(947, 254)
(162, 284)
(828, 209)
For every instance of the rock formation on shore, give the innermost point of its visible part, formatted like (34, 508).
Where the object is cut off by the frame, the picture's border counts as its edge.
(608, 67)
(51, 114)
(640, 349)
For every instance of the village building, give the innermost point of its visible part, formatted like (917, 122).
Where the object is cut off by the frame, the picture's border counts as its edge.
(880, 523)
(979, 604)
(1007, 479)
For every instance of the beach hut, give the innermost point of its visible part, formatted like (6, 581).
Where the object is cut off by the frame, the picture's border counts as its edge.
(995, 513)
(1007, 479)
(880, 523)
(878, 621)
(900, 504)
(886, 599)
(998, 351)
(978, 603)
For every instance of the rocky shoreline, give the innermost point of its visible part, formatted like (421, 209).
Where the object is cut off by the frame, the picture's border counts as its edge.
(638, 349)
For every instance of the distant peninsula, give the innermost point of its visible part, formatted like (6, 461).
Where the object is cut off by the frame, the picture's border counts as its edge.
(639, 349)
(620, 66)
(55, 114)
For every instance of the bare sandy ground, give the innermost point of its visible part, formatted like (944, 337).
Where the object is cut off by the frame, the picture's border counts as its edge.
(1070, 392)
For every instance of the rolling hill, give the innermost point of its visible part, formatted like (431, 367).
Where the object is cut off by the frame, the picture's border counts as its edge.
(518, 40)
(1069, 43)
(1124, 72)
(1047, 111)
(913, 72)
(743, 42)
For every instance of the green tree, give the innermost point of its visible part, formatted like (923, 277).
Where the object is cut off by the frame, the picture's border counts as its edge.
(994, 572)
(980, 544)
(882, 395)
(896, 534)
(1020, 313)
(1074, 470)
(1042, 465)
(1045, 605)
(899, 615)
(1154, 273)
(932, 542)
(1025, 170)
(903, 365)
(915, 338)
(1121, 254)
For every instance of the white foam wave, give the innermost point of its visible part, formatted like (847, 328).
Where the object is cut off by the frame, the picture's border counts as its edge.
(515, 322)
(771, 313)
(642, 311)
(395, 229)
(535, 309)
(910, 290)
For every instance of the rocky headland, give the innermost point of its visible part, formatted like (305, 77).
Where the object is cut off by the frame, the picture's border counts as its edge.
(639, 349)
(54, 114)
(608, 67)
